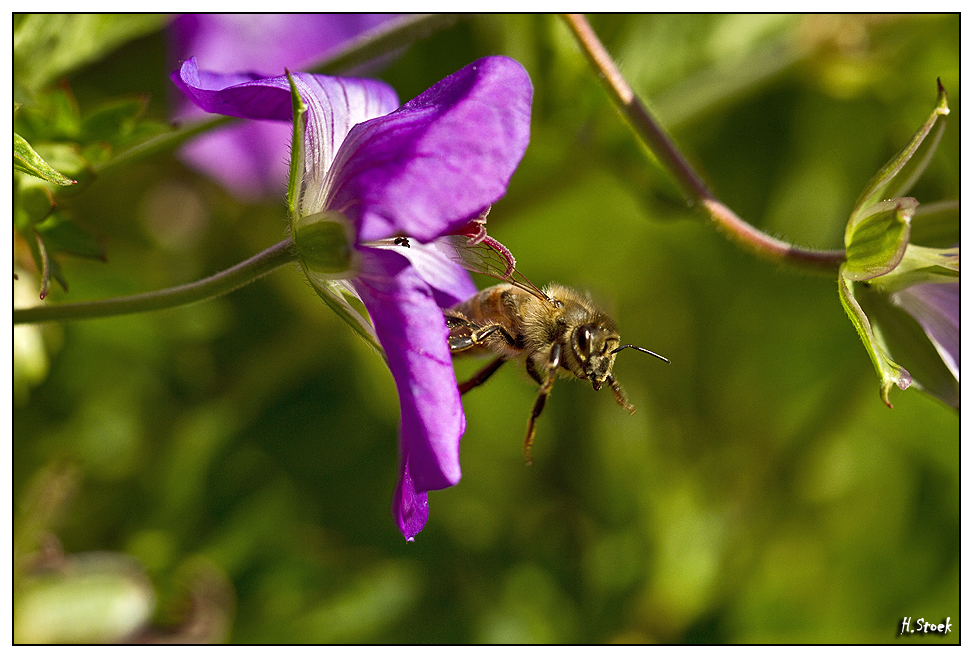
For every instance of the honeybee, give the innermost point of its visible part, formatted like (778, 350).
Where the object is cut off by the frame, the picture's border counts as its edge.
(555, 331)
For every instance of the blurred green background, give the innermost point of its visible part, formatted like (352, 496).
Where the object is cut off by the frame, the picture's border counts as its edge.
(244, 450)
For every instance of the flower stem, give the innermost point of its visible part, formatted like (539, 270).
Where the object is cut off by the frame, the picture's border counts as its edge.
(691, 184)
(219, 284)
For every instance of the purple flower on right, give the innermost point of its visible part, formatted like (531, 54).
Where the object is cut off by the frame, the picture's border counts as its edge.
(935, 306)
(903, 296)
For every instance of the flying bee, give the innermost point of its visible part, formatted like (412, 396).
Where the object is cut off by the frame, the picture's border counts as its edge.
(555, 331)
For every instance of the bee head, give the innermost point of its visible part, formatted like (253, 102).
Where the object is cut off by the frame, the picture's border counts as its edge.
(593, 346)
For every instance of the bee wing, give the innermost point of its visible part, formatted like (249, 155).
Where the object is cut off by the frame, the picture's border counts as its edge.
(487, 256)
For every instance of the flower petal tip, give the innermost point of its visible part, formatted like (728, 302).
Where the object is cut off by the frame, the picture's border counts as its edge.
(410, 509)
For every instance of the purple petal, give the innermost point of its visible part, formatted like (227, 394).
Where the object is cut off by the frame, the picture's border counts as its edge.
(244, 95)
(449, 281)
(250, 160)
(935, 306)
(334, 106)
(409, 509)
(409, 324)
(441, 159)
(267, 43)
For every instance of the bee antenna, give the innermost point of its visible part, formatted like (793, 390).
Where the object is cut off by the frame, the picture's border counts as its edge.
(640, 349)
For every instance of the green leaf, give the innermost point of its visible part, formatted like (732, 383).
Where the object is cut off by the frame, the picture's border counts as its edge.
(111, 136)
(114, 125)
(52, 115)
(113, 120)
(28, 161)
(161, 140)
(875, 240)
(891, 373)
(63, 235)
(33, 203)
(900, 173)
(48, 46)
(65, 157)
(47, 232)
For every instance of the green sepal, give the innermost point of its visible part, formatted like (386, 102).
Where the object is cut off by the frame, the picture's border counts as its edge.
(900, 173)
(346, 305)
(875, 240)
(890, 372)
(296, 176)
(936, 224)
(323, 241)
(920, 265)
(27, 160)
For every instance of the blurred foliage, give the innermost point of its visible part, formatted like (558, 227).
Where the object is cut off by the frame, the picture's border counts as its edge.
(242, 452)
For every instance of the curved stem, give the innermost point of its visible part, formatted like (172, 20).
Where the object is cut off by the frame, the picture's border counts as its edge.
(691, 184)
(219, 284)
(767, 247)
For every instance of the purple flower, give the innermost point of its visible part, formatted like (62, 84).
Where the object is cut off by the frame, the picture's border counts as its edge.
(902, 296)
(250, 160)
(424, 171)
(935, 306)
(911, 314)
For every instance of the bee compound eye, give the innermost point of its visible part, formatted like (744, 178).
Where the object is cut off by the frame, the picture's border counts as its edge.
(584, 340)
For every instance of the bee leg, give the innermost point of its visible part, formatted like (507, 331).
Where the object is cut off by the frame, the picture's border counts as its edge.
(620, 394)
(464, 335)
(547, 383)
(481, 375)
